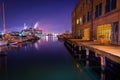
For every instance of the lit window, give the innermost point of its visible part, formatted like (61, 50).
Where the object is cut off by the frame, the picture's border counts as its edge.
(77, 21)
(81, 21)
(105, 31)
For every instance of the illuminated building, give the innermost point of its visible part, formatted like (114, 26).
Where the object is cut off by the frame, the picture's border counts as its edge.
(93, 18)
(31, 31)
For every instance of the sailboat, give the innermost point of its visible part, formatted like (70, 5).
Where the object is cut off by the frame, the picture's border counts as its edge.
(3, 41)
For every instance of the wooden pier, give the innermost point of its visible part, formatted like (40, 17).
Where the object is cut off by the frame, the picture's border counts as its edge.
(110, 51)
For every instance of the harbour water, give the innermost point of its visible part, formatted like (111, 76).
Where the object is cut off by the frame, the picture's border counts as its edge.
(49, 59)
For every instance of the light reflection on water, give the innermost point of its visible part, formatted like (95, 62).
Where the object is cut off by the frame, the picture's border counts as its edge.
(48, 59)
(37, 46)
(98, 66)
(50, 38)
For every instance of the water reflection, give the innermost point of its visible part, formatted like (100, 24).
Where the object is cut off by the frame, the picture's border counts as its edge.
(98, 66)
(37, 46)
(81, 66)
(50, 38)
(46, 38)
(3, 67)
(54, 60)
(3, 49)
(102, 76)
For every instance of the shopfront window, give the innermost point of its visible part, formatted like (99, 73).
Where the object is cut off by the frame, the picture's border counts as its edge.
(104, 30)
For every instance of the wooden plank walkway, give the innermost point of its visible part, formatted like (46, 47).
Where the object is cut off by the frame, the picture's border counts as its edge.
(110, 51)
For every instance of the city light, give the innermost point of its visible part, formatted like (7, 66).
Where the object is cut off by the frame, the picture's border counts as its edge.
(25, 26)
(36, 25)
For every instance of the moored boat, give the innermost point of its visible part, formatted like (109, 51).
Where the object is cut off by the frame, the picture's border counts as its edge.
(13, 43)
(3, 42)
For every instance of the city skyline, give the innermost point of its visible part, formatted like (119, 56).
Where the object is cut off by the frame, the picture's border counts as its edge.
(53, 16)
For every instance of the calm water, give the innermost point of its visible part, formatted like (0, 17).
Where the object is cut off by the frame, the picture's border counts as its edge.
(49, 59)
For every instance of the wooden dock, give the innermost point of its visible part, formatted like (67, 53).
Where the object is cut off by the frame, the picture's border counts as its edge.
(110, 51)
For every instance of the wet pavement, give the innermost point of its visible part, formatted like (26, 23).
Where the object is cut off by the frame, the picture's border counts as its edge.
(50, 59)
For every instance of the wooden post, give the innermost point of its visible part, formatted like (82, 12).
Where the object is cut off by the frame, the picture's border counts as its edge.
(87, 52)
(80, 48)
(102, 76)
(103, 64)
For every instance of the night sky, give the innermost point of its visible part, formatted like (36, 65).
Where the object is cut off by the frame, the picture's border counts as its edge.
(52, 15)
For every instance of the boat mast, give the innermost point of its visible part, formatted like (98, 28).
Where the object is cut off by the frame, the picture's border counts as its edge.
(3, 16)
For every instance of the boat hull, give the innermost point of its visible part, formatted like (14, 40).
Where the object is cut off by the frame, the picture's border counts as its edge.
(3, 43)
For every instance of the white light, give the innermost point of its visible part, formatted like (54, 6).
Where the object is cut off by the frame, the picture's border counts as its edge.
(77, 21)
(36, 25)
(2, 33)
(25, 26)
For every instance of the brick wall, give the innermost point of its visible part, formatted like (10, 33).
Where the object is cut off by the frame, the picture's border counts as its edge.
(82, 8)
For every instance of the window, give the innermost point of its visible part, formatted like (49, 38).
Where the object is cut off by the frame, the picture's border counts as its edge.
(110, 5)
(90, 1)
(88, 19)
(105, 31)
(107, 7)
(115, 31)
(82, 33)
(77, 22)
(89, 15)
(98, 11)
(86, 2)
(83, 4)
(84, 19)
(81, 21)
(113, 4)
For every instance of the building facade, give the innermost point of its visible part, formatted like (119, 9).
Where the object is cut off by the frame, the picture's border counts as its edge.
(31, 31)
(92, 19)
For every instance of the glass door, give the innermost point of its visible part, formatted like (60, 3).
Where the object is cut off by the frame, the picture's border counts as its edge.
(115, 32)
